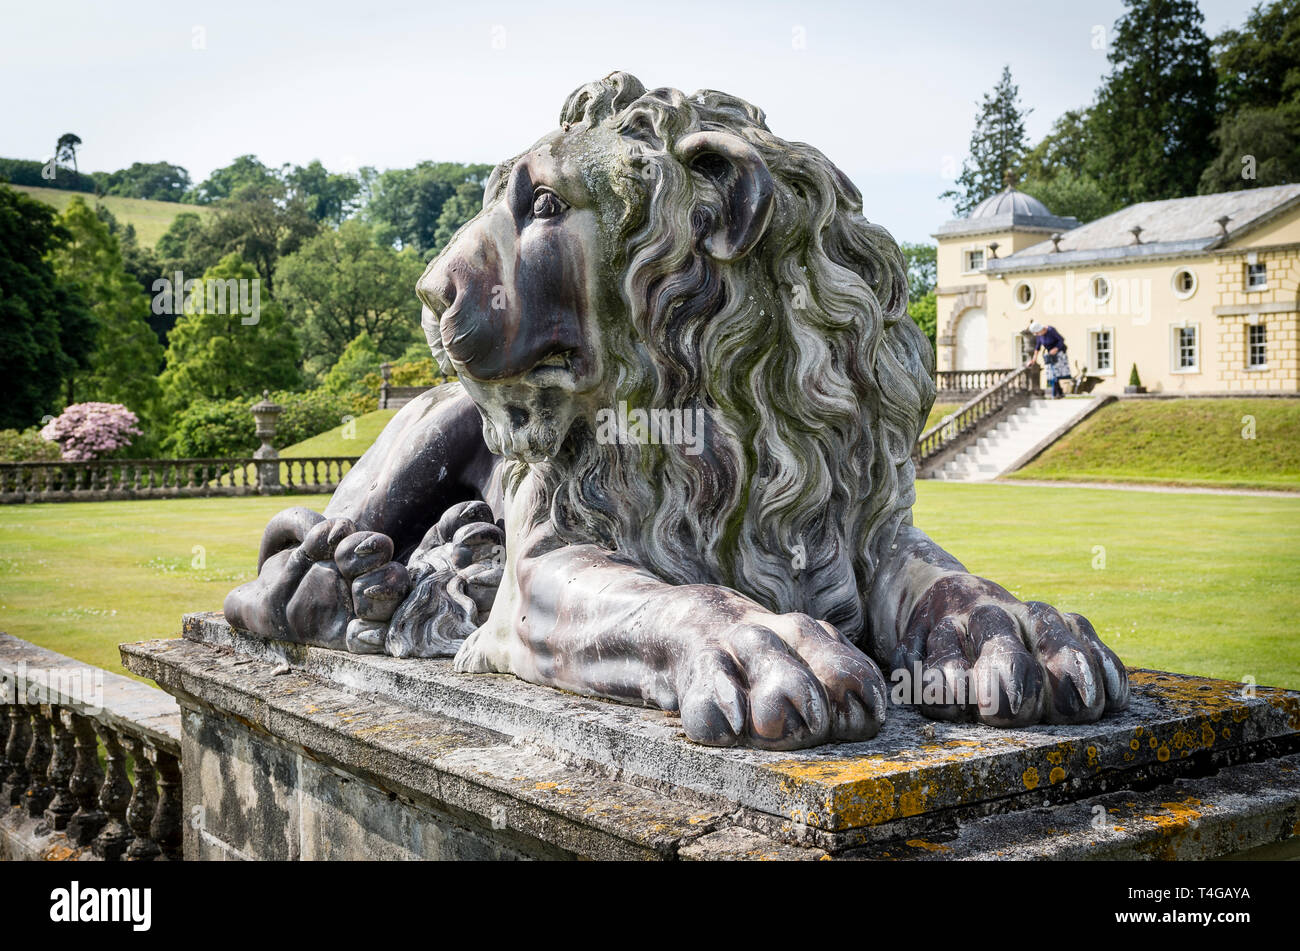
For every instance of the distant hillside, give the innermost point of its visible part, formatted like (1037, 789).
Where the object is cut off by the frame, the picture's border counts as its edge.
(151, 218)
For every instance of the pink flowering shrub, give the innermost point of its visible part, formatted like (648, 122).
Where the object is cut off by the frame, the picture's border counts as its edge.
(86, 431)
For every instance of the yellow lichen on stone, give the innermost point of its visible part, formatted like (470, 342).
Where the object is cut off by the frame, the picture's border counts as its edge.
(1056, 775)
(1030, 778)
(928, 846)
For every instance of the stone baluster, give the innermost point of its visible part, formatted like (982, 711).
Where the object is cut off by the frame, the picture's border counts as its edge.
(144, 802)
(59, 775)
(114, 796)
(20, 739)
(87, 778)
(168, 818)
(39, 753)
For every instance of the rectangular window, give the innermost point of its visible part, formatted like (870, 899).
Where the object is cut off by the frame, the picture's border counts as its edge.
(1256, 345)
(1103, 350)
(1186, 349)
(1256, 277)
(974, 260)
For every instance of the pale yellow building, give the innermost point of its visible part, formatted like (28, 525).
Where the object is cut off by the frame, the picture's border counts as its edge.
(1200, 293)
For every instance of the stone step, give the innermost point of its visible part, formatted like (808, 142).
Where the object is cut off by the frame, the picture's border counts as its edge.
(1014, 436)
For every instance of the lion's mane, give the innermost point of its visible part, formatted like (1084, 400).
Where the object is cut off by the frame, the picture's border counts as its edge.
(813, 381)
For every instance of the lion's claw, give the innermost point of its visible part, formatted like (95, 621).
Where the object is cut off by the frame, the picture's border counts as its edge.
(787, 684)
(982, 655)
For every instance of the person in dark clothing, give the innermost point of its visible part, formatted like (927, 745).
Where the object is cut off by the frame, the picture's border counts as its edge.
(1056, 361)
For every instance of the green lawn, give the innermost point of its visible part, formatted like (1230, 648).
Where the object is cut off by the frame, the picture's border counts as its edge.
(1186, 442)
(1194, 583)
(151, 218)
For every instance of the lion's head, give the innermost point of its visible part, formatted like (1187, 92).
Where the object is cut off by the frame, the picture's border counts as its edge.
(664, 251)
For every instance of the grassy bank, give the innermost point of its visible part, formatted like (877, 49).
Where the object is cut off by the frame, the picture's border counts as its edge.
(1235, 443)
(150, 218)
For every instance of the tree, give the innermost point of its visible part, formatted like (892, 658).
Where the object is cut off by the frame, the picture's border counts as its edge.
(342, 283)
(405, 204)
(358, 359)
(213, 354)
(244, 172)
(260, 223)
(996, 146)
(328, 197)
(925, 312)
(1154, 114)
(1072, 194)
(1258, 135)
(159, 181)
(456, 211)
(66, 150)
(1256, 147)
(47, 331)
(1055, 170)
(126, 355)
(1259, 65)
(921, 261)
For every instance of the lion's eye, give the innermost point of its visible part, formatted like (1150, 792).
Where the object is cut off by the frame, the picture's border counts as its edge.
(547, 204)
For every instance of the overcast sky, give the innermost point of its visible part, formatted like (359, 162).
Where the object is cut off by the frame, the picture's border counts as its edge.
(886, 90)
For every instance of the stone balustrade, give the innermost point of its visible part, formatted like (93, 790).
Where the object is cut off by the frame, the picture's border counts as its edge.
(58, 800)
(952, 383)
(105, 480)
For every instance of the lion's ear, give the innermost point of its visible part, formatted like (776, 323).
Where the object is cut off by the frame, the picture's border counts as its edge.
(742, 178)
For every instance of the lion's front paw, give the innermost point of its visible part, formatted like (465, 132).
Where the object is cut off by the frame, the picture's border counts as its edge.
(787, 684)
(972, 651)
(351, 589)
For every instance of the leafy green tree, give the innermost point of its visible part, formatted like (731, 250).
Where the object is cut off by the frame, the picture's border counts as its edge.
(126, 355)
(1072, 194)
(47, 331)
(405, 204)
(925, 311)
(260, 223)
(244, 172)
(458, 209)
(1258, 135)
(1259, 65)
(1257, 147)
(1154, 114)
(180, 247)
(329, 197)
(996, 146)
(342, 283)
(159, 181)
(359, 358)
(214, 354)
(28, 172)
(922, 265)
(1055, 170)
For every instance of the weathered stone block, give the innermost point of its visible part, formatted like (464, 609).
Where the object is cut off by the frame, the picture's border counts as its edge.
(300, 752)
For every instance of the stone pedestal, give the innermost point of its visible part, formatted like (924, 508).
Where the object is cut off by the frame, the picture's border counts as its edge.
(291, 752)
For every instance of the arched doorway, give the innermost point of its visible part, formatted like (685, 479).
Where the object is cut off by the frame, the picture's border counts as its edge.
(972, 340)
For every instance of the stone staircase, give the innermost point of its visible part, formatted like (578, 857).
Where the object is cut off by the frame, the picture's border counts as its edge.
(1019, 434)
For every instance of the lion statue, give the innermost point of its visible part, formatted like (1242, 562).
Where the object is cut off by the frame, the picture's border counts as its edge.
(676, 469)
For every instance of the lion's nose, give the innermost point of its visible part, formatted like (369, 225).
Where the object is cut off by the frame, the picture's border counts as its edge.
(437, 288)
